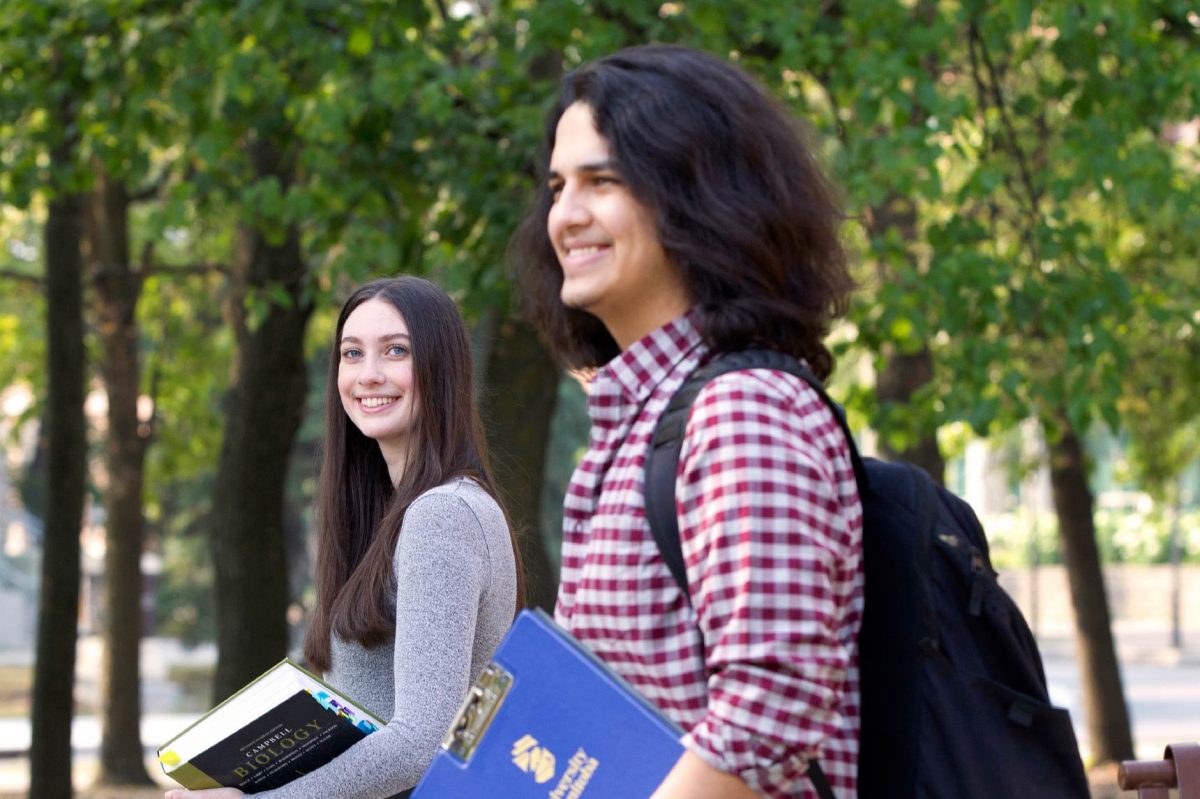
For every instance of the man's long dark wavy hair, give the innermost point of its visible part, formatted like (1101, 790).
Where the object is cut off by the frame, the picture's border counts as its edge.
(359, 511)
(742, 206)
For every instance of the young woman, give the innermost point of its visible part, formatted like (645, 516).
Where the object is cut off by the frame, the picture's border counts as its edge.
(417, 573)
(683, 215)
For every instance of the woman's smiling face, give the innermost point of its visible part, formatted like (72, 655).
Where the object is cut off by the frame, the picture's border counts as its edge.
(375, 378)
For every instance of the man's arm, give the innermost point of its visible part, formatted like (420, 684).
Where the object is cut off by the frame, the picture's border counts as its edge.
(773, 552)
(692, 778)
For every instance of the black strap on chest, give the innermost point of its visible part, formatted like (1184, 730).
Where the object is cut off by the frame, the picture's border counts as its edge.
(662, 457)
(662, 466)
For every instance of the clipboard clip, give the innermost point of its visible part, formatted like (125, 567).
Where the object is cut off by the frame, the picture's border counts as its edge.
(477, 711)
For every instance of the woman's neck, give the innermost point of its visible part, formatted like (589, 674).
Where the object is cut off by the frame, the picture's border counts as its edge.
(396, 458)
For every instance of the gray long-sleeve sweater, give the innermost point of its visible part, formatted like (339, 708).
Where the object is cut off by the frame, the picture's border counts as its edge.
(455, 599)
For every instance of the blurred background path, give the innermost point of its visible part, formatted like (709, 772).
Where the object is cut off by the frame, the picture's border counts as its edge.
(1162, 686)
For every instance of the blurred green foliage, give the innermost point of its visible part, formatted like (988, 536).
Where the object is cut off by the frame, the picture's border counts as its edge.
(1042, 151)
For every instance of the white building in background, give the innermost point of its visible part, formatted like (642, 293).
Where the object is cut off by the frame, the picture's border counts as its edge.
(20, 532)
(985, 477)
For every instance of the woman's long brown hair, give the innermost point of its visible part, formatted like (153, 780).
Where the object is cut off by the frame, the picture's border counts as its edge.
(359, 511)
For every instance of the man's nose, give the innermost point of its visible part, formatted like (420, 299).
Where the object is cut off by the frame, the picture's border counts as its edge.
(570, 209)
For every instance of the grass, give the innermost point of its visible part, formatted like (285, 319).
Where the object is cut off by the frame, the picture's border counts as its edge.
(16, 688)
(195, 684)
(16, 693)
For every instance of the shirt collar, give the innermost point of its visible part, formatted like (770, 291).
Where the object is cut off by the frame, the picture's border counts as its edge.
(639, 369)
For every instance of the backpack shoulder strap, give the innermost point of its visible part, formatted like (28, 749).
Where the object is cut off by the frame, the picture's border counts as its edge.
(662, 466)
(662, 457)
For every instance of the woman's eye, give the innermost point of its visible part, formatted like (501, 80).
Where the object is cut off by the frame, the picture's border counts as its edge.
(397, 351)
(350, 353)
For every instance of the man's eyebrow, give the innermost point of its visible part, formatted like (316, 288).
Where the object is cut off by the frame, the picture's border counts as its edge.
(606, 165)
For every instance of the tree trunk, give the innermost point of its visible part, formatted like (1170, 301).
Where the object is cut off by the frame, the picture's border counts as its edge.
(117, 288)
(1175, 555)
(265, 405)
(1103, 698)
(66, 465)
(519, 395)
(903, 374)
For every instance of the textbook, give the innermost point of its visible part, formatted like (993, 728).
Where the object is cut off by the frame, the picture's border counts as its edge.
(548, 719)
(282, 725)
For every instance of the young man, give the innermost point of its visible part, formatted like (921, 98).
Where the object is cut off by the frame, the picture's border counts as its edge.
(683, 215)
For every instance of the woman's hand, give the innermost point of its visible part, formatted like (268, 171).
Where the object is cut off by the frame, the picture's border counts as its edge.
(207, 793)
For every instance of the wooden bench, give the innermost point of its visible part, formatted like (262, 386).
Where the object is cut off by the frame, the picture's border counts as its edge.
(1153, 779)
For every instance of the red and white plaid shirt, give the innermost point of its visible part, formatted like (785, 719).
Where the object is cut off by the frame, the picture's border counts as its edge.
(761, 667)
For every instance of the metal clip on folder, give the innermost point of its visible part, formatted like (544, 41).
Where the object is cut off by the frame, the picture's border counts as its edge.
(477, 712)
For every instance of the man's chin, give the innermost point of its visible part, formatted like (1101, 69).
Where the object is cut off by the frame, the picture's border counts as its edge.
(577, 302)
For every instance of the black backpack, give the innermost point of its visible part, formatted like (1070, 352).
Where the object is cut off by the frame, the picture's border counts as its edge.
(954, 699)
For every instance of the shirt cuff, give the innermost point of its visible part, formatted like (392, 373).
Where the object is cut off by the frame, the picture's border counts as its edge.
(764, 765)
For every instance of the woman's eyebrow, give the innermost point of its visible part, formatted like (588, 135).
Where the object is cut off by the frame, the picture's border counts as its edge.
(384, 337)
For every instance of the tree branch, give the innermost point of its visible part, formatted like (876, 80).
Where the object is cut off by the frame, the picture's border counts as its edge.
(443, 12)
(997, 97)
(183, 270)
(147, 193)
(324, 25)
(21, 277)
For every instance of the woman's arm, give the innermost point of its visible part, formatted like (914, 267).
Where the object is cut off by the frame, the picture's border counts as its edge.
(442, 571)
(207, 793)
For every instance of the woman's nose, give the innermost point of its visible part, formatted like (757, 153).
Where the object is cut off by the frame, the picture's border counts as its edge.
(370, 372)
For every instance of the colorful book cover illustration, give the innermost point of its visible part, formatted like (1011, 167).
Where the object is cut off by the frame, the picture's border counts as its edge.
(547, 719)
(279, 727)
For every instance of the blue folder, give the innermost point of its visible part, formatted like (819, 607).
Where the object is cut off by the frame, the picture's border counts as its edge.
(548, 719)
